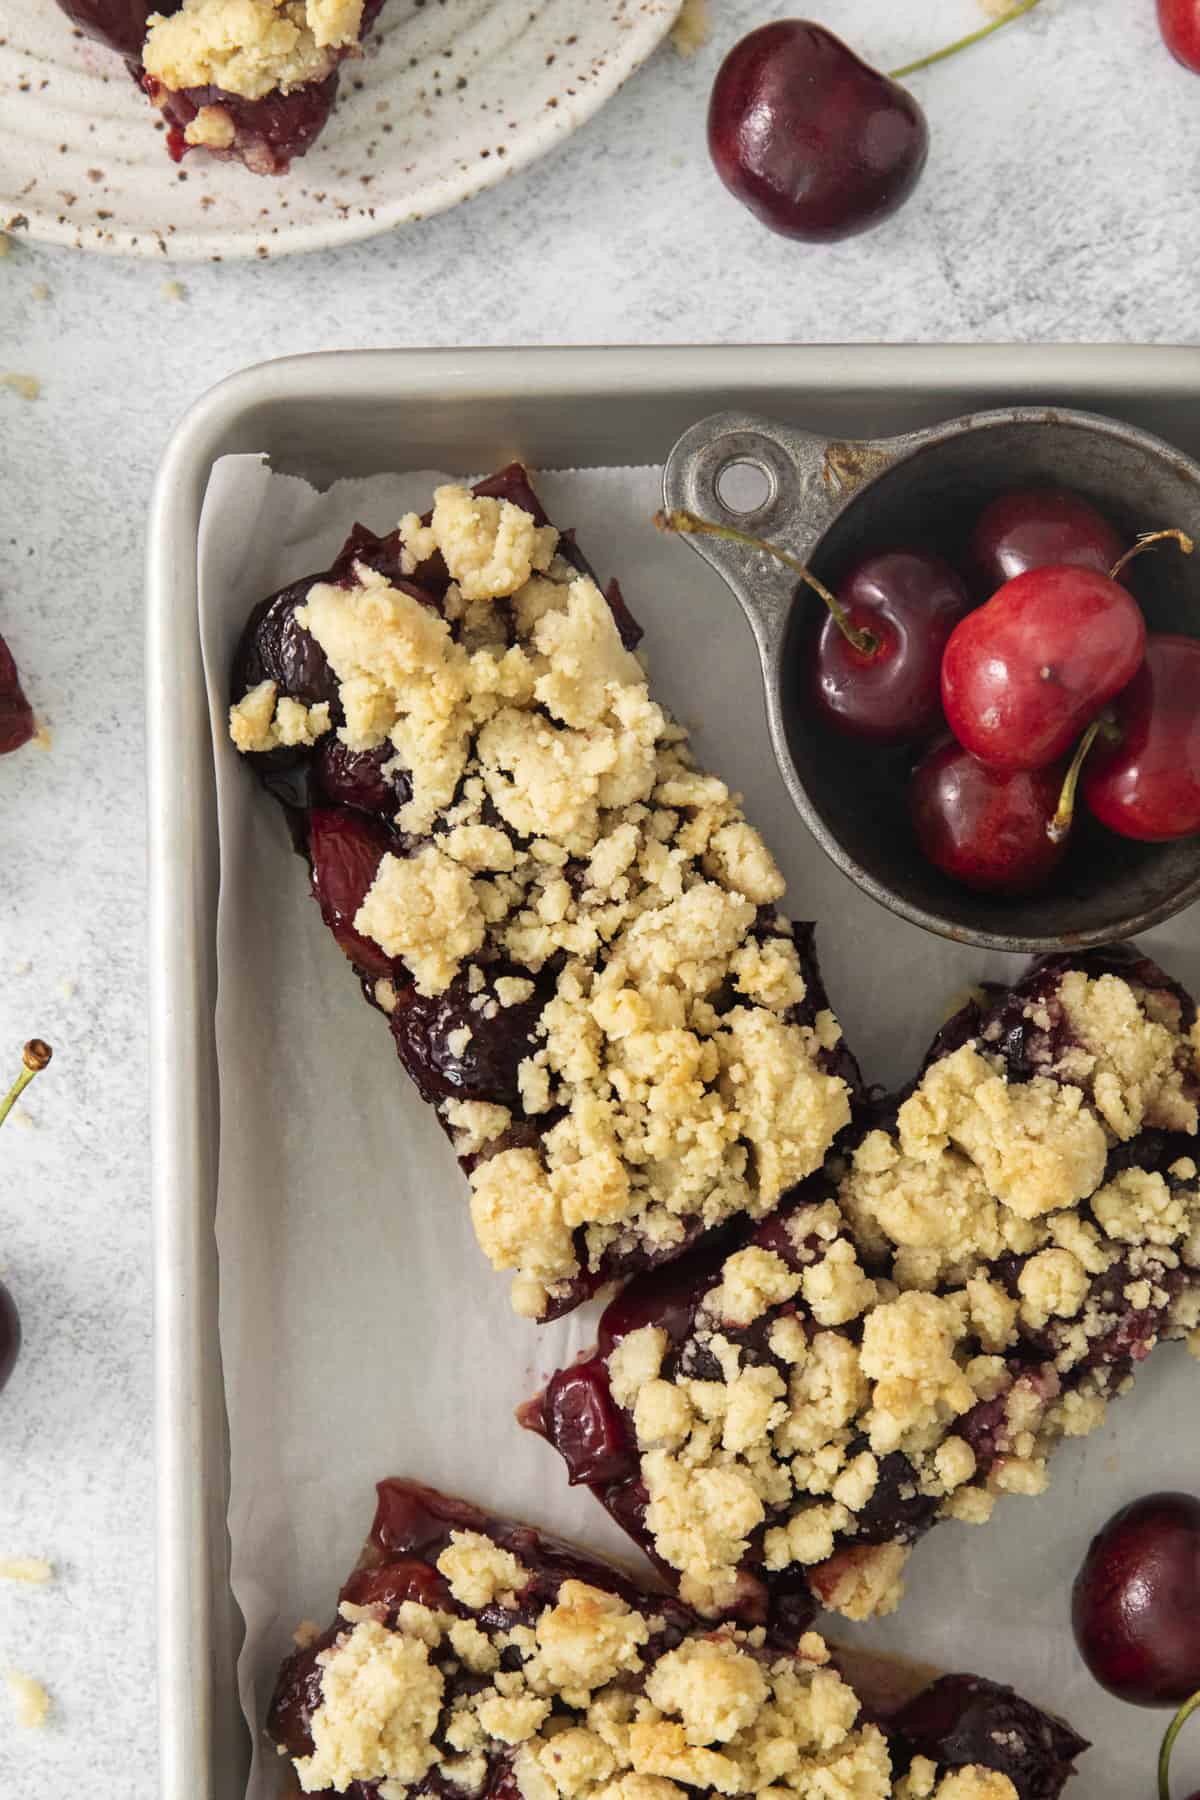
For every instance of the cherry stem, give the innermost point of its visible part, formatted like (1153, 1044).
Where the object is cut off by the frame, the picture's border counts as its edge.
(1144, 543)
(964, 43)
(691, 525)
(1168, 1744)
(34, 1058)
(1064, 816)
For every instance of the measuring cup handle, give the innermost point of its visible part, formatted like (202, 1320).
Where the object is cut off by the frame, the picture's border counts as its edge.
(806, 480)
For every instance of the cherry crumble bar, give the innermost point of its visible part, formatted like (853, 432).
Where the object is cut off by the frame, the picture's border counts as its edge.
(477, 1659)
(777, 1420)
(251, 81)
(571, 929)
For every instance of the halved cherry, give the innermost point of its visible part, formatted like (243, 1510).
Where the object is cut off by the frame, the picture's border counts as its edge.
(346, 849)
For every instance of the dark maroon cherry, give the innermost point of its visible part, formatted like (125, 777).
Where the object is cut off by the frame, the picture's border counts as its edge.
(485, 1067)
(10, 1335)
(1145, 783)
(582, 1420)
(275, 648)
(986, 830)
(1033, 527)
(355, 777)
(814, 141)
(16, 715)
(902, 606)
(963, 1720)
(346, 849)
(1135, 1605)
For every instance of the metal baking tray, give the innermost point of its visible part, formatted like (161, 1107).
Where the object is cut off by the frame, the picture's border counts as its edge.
(361, 413)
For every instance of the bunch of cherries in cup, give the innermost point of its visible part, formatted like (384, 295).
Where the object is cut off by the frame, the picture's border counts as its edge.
(1050, 689)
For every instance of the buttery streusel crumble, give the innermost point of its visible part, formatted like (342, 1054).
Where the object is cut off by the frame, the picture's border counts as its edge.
(571, 928)
(478, 1657)
(909, 1336)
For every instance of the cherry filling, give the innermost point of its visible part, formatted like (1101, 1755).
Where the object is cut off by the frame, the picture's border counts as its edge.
(954, 1721)
(16, 715)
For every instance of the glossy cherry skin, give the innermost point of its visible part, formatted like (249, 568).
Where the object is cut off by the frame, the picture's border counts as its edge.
(987, 830)
(16, 715)
(814, 141)
(1024, 674)
(1179, 22)
(1147, 786)
(909, 602)
(1037, 526)
(1135, 1606)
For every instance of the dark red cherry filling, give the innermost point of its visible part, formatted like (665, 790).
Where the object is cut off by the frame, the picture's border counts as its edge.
(485, 1067)
(345, 850)
(962, 1719)
(17, 725)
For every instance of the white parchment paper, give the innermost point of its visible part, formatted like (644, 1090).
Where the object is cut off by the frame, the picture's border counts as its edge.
(362, 1332)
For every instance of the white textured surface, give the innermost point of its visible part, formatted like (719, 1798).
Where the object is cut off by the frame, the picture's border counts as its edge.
(1061, 202)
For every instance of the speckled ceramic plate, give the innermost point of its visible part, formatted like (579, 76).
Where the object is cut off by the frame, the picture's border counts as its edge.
(450, 98)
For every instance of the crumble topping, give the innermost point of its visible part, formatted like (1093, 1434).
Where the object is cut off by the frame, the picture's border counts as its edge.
(264, 720)
(249, 47)
(586, 1706)
(562, 822)
(213, 128)
(879, 1331)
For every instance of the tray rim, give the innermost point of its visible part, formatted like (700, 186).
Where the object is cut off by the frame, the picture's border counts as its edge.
(195, 1671)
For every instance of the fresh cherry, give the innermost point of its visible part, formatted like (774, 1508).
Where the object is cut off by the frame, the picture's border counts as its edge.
(1027, 671)
(34, 1058)
(876, 671)
(1035, 526)
(346, 849)
(902, 606)
(16, 715)
(814, 141)
(1179, 22)
(1135, 1606)
(992, 831)
(1144, 782)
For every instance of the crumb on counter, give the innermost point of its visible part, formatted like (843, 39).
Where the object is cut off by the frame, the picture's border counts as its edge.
(31, 1702)
(174, 290)
(692, 28)
(34, 1570)
(27, 386)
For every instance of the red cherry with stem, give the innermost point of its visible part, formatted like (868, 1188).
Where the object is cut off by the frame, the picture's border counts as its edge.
(1179, 22)
(1145, 783)
(16, 714)
(903, 604)
(1135, 1605)
(876, 670)
(34, 1058)
(1025, 672)
(989, 831)
(1033, 527)
(816, 143)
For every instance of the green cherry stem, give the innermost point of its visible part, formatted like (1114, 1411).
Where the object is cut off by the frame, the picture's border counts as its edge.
(690, 524)
(1064, 816)
(34, 1058)
(1168, 1744)
(964, 43)
(1145, 542)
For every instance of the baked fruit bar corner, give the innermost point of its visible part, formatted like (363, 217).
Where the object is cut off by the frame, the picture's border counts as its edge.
(251, 81)
(476, 1659)
(570, 928)
(778, 1419)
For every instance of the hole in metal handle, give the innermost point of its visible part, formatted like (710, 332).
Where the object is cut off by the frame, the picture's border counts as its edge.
(745, 485)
